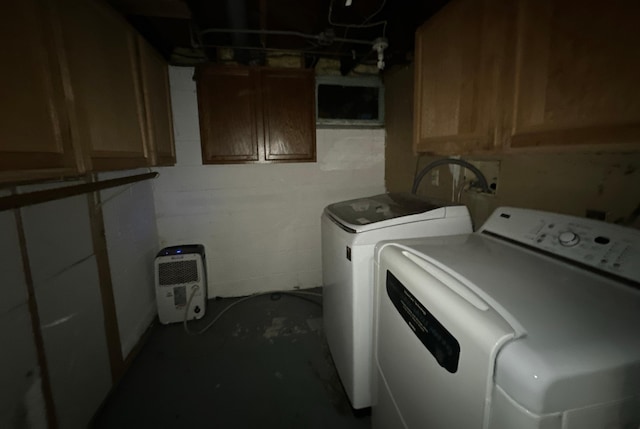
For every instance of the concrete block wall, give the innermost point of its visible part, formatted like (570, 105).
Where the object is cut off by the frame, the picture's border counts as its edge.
(260, 224)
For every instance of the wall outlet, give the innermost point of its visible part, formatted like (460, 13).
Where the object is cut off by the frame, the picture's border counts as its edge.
(491, 171)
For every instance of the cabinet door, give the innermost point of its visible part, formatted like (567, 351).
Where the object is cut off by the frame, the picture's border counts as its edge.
(35, 139)
(288, 112)
(577, 68)
(157, 103)
(451, 106)
(107, 100)
(228, 114)
(460, 57)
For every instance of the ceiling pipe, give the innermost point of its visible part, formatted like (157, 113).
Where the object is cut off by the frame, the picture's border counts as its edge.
(324, 38)
(283, 50)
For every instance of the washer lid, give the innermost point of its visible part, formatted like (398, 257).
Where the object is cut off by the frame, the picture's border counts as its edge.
(384, 210)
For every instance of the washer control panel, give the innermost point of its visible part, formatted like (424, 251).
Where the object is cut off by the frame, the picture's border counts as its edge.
(604, 246)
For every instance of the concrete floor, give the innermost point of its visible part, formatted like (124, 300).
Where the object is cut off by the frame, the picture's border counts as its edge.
(264, 364)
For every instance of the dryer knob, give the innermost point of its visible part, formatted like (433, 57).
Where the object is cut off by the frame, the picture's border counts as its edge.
(568, 238)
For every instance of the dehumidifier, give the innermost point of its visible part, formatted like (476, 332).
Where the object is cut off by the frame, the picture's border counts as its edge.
(181, 280)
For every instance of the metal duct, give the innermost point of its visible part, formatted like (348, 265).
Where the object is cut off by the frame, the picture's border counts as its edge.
(237, 18)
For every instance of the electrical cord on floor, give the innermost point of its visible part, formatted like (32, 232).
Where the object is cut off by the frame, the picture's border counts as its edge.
(298, 294)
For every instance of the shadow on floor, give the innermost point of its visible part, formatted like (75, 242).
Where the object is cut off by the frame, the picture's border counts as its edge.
(264, 364)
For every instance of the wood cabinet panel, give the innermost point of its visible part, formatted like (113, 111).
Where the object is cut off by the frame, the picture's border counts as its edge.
(457, 77)
(157, 103)
(494, 75)
(448, 61)
(289, 118)
(107, 100)
(71, 95)
(35, 131)
(576, 73)
(227, 103)
(254, 114)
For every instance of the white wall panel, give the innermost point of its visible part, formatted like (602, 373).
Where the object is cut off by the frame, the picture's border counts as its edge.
(58, 233)
(21, 400)
(72, 323)
(132, 243)
(67, 289)
(14, 290)
(260, 224)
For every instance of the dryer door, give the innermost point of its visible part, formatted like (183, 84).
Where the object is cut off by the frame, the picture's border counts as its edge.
(435, 347)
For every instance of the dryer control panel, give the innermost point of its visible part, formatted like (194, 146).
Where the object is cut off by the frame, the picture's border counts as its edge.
(598, 245)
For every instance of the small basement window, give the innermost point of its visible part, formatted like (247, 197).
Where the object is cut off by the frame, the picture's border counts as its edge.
(343, 101)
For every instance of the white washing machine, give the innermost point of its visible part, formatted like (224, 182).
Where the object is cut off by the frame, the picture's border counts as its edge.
(531, 322)
(350, 230)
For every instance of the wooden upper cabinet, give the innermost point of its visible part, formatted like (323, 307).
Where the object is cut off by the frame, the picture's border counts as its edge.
(157, 103)
(227, 106)
(35, 141)
(555, 74)
(253, 114)
(576, 74)
(459, 52)
(106, 105)
(288, 112)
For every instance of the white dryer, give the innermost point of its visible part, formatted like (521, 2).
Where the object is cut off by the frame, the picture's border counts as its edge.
(531, 322)
(350, 230)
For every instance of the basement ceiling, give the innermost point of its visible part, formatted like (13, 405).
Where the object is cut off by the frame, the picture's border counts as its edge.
(247, 31)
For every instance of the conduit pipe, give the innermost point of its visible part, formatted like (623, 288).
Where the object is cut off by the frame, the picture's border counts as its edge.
(325, 38)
